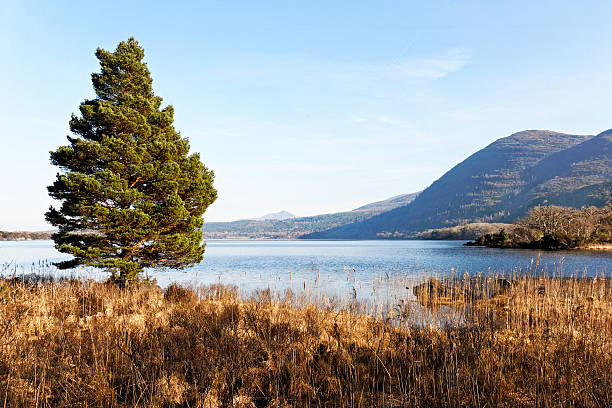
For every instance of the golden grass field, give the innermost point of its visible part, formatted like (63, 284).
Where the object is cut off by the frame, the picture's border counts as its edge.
(545, 342)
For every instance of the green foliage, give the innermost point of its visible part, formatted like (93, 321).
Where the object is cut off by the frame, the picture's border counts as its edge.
(131, 194)
(495, 240)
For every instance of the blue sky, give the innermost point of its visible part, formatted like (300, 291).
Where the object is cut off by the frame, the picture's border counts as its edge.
(309, 107)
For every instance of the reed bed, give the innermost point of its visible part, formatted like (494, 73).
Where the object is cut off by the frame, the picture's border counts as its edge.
(543, 342)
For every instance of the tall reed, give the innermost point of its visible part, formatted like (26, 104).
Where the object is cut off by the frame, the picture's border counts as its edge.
(544, 342)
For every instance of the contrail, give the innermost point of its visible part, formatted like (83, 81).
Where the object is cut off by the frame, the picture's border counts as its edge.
(400, 55)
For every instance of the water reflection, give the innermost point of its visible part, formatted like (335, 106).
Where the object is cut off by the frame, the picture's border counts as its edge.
(376, 271)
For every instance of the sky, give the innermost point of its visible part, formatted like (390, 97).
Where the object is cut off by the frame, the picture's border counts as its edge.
(313, 106)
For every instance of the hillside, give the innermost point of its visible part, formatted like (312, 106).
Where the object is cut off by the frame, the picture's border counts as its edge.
(281, 215)
(295, 227)
(389, 204)
(580, 175)
(499, 184)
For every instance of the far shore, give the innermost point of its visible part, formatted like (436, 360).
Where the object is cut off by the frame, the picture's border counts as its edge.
(46, 236)
(25, 235)
(598, 247)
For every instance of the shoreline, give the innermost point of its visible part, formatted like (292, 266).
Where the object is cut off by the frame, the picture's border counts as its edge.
(597, 247)
(603, 247)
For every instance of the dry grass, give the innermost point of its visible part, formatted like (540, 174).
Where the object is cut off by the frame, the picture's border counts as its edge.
(545, 343)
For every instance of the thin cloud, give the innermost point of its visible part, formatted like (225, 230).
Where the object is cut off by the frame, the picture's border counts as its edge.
(431, 68)
(271, 70)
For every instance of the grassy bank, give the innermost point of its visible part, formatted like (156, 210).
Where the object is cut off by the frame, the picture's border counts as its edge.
(544, 342)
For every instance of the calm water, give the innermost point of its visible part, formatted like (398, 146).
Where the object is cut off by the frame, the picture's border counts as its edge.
(362, 269)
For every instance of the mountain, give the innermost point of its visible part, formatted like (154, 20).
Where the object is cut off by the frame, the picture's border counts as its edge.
(576, 176)
(499, 184)
(596, 194)
(390, 203)
(281, 215)
(290, 228)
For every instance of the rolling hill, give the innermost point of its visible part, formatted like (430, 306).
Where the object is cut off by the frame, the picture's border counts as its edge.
(281, 215)
(499, 184)
(289, 228)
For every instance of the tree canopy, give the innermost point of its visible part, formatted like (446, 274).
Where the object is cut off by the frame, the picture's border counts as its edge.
(131, 194)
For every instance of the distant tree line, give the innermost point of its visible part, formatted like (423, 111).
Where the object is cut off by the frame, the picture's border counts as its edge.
(461, 232)
(554, 227)
(23, 235)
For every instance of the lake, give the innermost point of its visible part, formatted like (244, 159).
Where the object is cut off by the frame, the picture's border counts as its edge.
(361, 269)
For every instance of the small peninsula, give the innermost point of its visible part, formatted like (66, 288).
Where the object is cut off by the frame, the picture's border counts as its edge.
(555, 228)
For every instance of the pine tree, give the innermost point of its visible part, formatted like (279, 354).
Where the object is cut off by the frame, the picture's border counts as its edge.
(131, 194)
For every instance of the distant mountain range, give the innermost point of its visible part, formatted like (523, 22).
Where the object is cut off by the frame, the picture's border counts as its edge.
(290, 227)
(500, 183)
(281, 215)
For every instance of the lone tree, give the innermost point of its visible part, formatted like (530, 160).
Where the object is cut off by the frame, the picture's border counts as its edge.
(131, 194)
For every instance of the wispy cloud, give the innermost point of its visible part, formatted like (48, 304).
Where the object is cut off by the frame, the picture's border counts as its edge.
(281, 69)
(433, 67)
